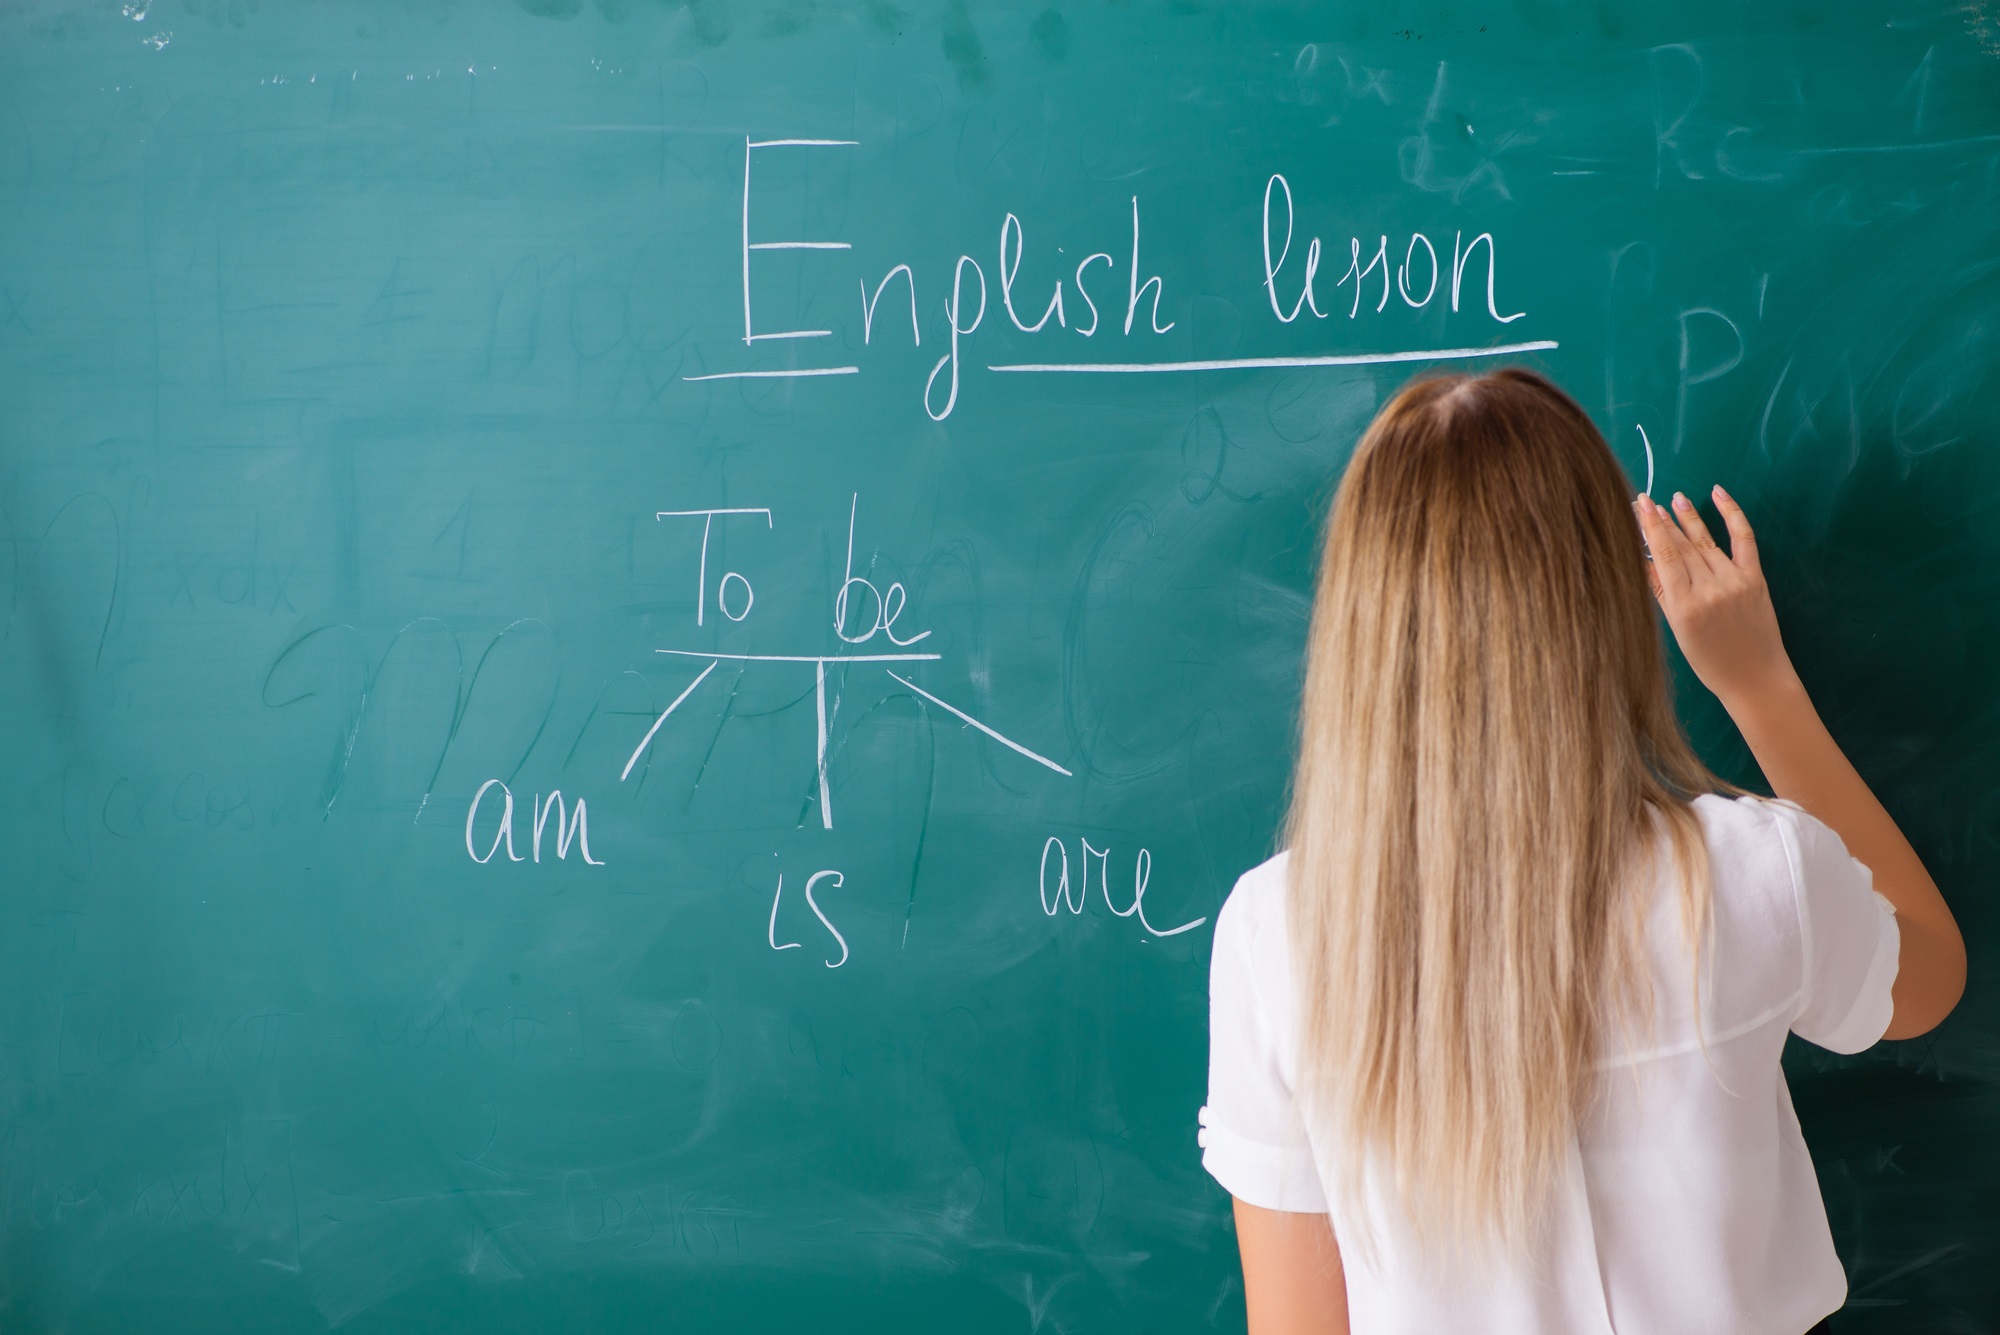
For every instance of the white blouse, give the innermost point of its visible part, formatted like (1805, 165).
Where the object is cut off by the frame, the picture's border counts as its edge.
(1689, 1204)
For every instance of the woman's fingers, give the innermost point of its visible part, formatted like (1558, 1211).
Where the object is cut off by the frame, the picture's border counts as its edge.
(1670, 550)
(1698, 536)
(1742, 542)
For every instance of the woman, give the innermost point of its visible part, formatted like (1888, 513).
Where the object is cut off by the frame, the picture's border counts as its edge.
(1495, 1042)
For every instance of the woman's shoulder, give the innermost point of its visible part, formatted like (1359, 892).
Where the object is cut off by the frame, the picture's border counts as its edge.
(1749, 825)
(1740, 808)
(1758, 876)
(1252, 945)
(1254, 912)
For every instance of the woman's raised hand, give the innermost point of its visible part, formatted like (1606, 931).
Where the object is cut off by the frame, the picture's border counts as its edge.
(1721, 613)
(1716, 601)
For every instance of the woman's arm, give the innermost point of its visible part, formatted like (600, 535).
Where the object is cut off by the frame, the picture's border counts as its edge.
(1720, 611)
(1292, 1280)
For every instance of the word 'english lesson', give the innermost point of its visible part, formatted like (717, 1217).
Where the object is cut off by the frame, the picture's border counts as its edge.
(1121, 292)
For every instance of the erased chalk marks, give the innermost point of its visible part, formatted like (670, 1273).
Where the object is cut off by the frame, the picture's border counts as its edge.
(1679, 80)
(1050, 35)
(695, 1036)
(1052, 1184)
(887, 772)
(819, 662)
(1982, 17)
(64, 578)
(962, 47)
(951, 1048)
(1447, 154)
(331, 661)
(1714, 366)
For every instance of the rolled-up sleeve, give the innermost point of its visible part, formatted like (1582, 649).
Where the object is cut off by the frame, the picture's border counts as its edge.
(1252, 1138)
(1851, 940)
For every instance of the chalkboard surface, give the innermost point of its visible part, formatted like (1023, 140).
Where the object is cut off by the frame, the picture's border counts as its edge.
(640, 640)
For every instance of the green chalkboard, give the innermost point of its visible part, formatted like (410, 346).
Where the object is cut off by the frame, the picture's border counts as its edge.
(410, 412)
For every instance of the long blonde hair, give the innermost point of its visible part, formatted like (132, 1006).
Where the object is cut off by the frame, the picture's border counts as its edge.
(1487, 749)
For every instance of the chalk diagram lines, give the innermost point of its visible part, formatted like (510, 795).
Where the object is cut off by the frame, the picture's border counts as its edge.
(819, 662)
(1004, 741)
(645, 741)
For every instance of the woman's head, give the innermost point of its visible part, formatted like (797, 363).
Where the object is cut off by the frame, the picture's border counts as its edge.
(1491, 513)
(1487, 725)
